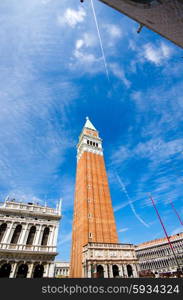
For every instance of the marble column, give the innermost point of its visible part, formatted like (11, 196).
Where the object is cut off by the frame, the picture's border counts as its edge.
(125, 271)
(13, 270)
(37, 239)
(89, 271)
(105, 271)
(122, 271)
(110, 271)
(8, 234)
(23, 233)
(30, 270)
(51, 270)
(55, 236)
(135, 271)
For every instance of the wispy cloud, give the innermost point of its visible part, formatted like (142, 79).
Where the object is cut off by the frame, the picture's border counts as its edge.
(72, 17)
(156, 55)
(123, 229)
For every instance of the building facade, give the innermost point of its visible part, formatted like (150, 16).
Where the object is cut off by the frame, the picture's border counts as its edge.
(61, 269)
(109, 260)
(164, 17)
(156, 257)
(28, 239)
(93, 221)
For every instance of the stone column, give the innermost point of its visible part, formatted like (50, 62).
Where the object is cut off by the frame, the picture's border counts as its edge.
(23, 233)
(51, 236)
(125, 271)
(55, 235)
(37, 239)
(46, 270)
(105, 271)
(122, 271)
(13, 270)
(134, 273)
(110, 271)
(89, 271)
(8, 232)
(50, 271)
(30, 270)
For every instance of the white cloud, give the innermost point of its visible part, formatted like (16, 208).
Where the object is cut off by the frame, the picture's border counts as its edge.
(79, 44)
(87, 40)
(72, 17)
(120, 155)
(87, 58)
(123, 229)
(113, 30)
(155, 54)
(119, 73)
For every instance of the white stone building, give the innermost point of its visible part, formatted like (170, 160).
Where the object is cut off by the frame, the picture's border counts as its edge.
(110, 260)
(157, 257)
(28, 239)
(61, 269)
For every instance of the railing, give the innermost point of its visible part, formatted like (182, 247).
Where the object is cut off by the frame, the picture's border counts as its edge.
(27, 248)
(29, 207)
(109, 246)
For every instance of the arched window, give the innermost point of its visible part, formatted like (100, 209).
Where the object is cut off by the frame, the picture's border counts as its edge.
(5, 271)
(100, 271)
(115, 271)
(38, 271)
(31, 235)
(129, 270)
(22, 271)
(16, 234)
(45, 236)
(2, 230)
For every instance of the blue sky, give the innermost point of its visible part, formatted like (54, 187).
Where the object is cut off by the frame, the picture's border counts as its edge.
(52, 76)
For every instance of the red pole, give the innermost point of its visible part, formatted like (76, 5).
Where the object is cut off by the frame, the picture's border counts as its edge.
(176, 213)
(169, 242)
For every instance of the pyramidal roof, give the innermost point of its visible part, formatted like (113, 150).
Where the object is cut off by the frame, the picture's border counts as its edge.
(89, 125)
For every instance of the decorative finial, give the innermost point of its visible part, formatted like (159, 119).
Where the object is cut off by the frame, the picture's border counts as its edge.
(87, 118)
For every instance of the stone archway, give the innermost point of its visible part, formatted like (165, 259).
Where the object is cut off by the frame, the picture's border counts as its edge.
(115, 271)
(5, 270)
(38, 271)
(129, 270)
(22, 271)
(100, 271)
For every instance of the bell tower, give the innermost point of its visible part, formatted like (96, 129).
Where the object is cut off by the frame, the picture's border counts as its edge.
(93, 220)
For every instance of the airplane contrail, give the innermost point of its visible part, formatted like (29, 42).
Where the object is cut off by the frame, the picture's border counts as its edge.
(130, 202)
(100, 39)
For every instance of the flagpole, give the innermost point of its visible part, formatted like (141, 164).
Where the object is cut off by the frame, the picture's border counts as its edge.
(163, 226)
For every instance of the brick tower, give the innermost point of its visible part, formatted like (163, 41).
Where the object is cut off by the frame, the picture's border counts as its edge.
(93, 214)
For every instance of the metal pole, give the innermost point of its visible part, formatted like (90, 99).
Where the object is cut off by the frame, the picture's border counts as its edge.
(169, 242)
